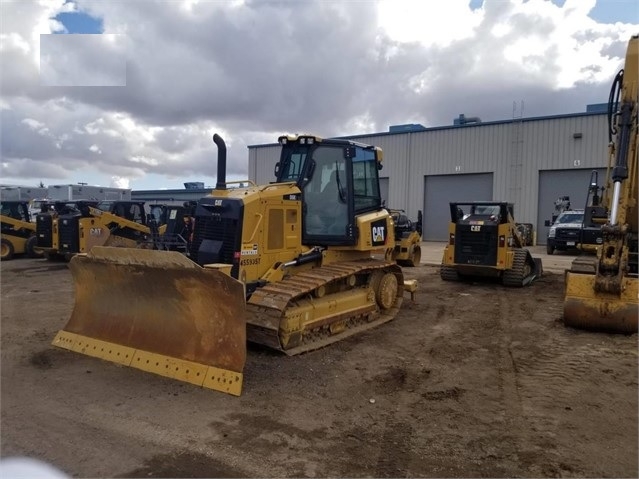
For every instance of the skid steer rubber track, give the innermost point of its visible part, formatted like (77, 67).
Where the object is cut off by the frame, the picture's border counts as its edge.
(160, 312)
(524, 271)
(449, 273)
(310, 310)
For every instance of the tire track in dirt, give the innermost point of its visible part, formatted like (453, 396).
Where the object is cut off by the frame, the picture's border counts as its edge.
(554, 373)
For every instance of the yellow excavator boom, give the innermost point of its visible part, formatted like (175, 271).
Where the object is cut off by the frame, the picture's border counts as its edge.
(602, 294)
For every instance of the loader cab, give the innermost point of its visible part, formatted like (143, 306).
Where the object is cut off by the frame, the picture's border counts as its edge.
(339, 180)
(130, 210)
(18, 210)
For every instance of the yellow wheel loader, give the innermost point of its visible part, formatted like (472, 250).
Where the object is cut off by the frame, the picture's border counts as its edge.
(289, 265)
(484, 241)
(601, 292)
(18, 232)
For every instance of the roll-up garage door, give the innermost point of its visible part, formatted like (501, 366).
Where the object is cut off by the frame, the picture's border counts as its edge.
(440, 190)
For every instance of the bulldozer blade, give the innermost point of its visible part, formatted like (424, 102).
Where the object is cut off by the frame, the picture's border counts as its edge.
(160, 312)
(586, 309)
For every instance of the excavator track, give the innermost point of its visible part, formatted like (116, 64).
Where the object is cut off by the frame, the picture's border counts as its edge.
(310, 310)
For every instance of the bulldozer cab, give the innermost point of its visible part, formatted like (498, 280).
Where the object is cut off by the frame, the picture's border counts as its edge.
(339, 180)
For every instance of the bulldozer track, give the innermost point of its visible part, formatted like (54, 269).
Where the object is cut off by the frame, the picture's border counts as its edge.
(269, 305)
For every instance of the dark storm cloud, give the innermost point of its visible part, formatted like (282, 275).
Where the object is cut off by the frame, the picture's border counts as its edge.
(266, 63)
(252, 70)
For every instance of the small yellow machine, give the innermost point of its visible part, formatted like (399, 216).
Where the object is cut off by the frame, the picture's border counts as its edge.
(47, 223)
(602, 292)
(483, 240)
(408, 238)
(76, 227)
(18, 232)
(289, 265)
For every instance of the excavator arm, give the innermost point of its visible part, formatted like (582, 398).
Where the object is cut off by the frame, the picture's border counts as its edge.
(603, 295)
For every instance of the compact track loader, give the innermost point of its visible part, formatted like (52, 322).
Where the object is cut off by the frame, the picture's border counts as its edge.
(289, 265)
(602, 292)
(171, 226)
(18, 232)
(77, 226)
(47, 222)
(483, 240)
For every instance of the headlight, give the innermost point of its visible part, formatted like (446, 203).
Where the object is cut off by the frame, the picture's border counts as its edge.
(551, 233)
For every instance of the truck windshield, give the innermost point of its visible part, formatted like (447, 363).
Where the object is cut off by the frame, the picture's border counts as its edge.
(565, 218)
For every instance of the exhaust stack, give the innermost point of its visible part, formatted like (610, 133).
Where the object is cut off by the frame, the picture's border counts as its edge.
(221, 162)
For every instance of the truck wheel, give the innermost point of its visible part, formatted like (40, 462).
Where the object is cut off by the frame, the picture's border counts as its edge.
(31, 248)
(550, 249)
(6, 250)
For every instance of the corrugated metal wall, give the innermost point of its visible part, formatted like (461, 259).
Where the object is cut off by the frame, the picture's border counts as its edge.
(262, 160)
(514, 151)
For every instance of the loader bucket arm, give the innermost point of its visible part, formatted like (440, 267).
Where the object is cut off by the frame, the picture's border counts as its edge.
(160, 312)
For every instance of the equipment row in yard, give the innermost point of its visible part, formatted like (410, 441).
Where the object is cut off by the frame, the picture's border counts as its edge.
(315, 257)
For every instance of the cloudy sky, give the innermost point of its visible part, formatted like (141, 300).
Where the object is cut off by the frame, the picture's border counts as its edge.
(129, 93)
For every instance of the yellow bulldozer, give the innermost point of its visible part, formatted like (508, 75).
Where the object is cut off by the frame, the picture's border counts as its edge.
(484, 241)
(18, 231)
(293, 265)
(602, 292)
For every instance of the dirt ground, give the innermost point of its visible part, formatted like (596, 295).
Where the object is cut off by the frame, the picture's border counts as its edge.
(470, 380)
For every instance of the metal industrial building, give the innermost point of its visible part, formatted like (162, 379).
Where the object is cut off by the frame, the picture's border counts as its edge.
(528, 161)
(192, 191)
(63, 192)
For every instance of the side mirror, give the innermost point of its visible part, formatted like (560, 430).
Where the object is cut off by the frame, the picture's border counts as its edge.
(547, 223)
(277, 169)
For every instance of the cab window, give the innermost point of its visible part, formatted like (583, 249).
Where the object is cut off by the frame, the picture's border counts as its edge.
(326, 195)
(292, 166)
(365, 181)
